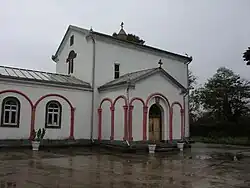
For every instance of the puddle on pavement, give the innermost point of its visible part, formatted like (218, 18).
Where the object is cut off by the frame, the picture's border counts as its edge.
(193, 168)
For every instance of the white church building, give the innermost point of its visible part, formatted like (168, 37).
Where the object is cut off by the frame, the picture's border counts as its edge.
(104, 88)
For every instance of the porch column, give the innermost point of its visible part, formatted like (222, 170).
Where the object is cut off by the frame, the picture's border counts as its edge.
(171, 125)
(32, 125)
(182, 123)
(130, 122)
(72, 121)
(125, 108)
(145, 114)
(112, 110)
(99, 124)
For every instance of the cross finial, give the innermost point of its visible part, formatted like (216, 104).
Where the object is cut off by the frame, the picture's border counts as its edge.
(160, 63)
(122, 25)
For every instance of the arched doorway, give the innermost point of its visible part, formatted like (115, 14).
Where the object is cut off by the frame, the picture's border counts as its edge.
(155, 122)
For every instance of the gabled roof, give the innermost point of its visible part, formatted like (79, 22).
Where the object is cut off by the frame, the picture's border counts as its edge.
(134, 77)
(42, 77)
(140, 46)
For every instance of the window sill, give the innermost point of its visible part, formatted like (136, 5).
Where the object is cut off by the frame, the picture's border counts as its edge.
(52, 127)
(9, 126)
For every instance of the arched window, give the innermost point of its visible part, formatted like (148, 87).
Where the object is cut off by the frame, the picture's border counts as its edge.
(53, 115)
(10, 116)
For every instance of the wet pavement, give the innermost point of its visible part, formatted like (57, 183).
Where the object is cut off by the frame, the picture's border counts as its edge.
(203, 166)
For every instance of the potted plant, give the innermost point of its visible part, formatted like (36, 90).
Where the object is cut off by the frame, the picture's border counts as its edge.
(36, 138)
(151, 146)
(180, 144)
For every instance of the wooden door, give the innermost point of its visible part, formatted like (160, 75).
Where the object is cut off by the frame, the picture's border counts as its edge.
(155, 128)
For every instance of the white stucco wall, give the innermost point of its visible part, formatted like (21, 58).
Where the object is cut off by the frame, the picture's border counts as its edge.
(80, 100)
(156, 84)
(107, 53)
(132, 60)
(83, 61)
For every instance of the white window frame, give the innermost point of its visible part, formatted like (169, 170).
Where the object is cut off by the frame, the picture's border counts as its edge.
(52, 111)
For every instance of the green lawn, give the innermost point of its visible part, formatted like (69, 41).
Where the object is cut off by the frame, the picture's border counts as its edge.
(223, 140)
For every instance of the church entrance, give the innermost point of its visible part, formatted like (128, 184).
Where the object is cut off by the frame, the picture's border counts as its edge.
(155, 123)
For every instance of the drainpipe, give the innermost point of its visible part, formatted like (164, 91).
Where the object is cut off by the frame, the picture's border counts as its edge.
(127, 129)
(90, 35)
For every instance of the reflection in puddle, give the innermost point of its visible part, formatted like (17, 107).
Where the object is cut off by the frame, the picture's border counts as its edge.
(188, 169)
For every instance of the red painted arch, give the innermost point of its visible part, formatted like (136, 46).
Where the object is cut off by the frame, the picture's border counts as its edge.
(120, 97)
(157, 94)
(112, 109)
(72, 112)
(20, 93)
(176, 103)
(106, 99)
(169, 111)
(130, 126)
(125, 108)
(30, 102)
(53, 95)
(138, 99)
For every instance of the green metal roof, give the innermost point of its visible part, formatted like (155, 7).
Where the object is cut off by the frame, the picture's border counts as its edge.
(40, 76)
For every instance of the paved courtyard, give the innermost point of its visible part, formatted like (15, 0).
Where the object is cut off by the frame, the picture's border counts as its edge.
(199, 167)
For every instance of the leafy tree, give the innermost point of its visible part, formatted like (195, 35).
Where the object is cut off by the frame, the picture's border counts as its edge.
(191, 80)
(132, 38)
(193, 98)
(225, 95)
(246, 56)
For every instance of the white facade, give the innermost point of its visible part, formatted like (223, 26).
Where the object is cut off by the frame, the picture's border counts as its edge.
(33, 92)
(108, 51)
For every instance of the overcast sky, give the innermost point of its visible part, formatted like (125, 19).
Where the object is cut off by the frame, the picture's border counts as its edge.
(214, 32)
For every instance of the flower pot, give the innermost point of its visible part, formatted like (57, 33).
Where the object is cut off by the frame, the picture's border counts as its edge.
(151, 148)
(35, 145)
(180, 145)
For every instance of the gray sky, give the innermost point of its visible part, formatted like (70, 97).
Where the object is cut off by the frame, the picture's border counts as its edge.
(214, 32)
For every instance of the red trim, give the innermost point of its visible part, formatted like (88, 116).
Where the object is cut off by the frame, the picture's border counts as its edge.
(157, 94)
(32, 124)
(18, 92)
(100, 117)
(99, 124)
(71, 134)
(120, 97)
(106, 99)
(130, 122)
(112, 109)
(171, 125)
(145, 115)
(169, 112)
(125, 107)
(30, 102)
(176, 103)
(131, 107)
(72, 122)
(136, 98)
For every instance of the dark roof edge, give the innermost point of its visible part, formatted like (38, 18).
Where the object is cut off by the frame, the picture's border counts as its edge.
(185, 58)
(46, 83)
(81, 30)
(117, 86)
(146, 75)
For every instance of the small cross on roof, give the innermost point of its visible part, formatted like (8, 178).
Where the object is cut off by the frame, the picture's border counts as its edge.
(160, 63)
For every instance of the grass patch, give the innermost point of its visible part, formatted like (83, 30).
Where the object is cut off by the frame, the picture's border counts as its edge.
(244, 141)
